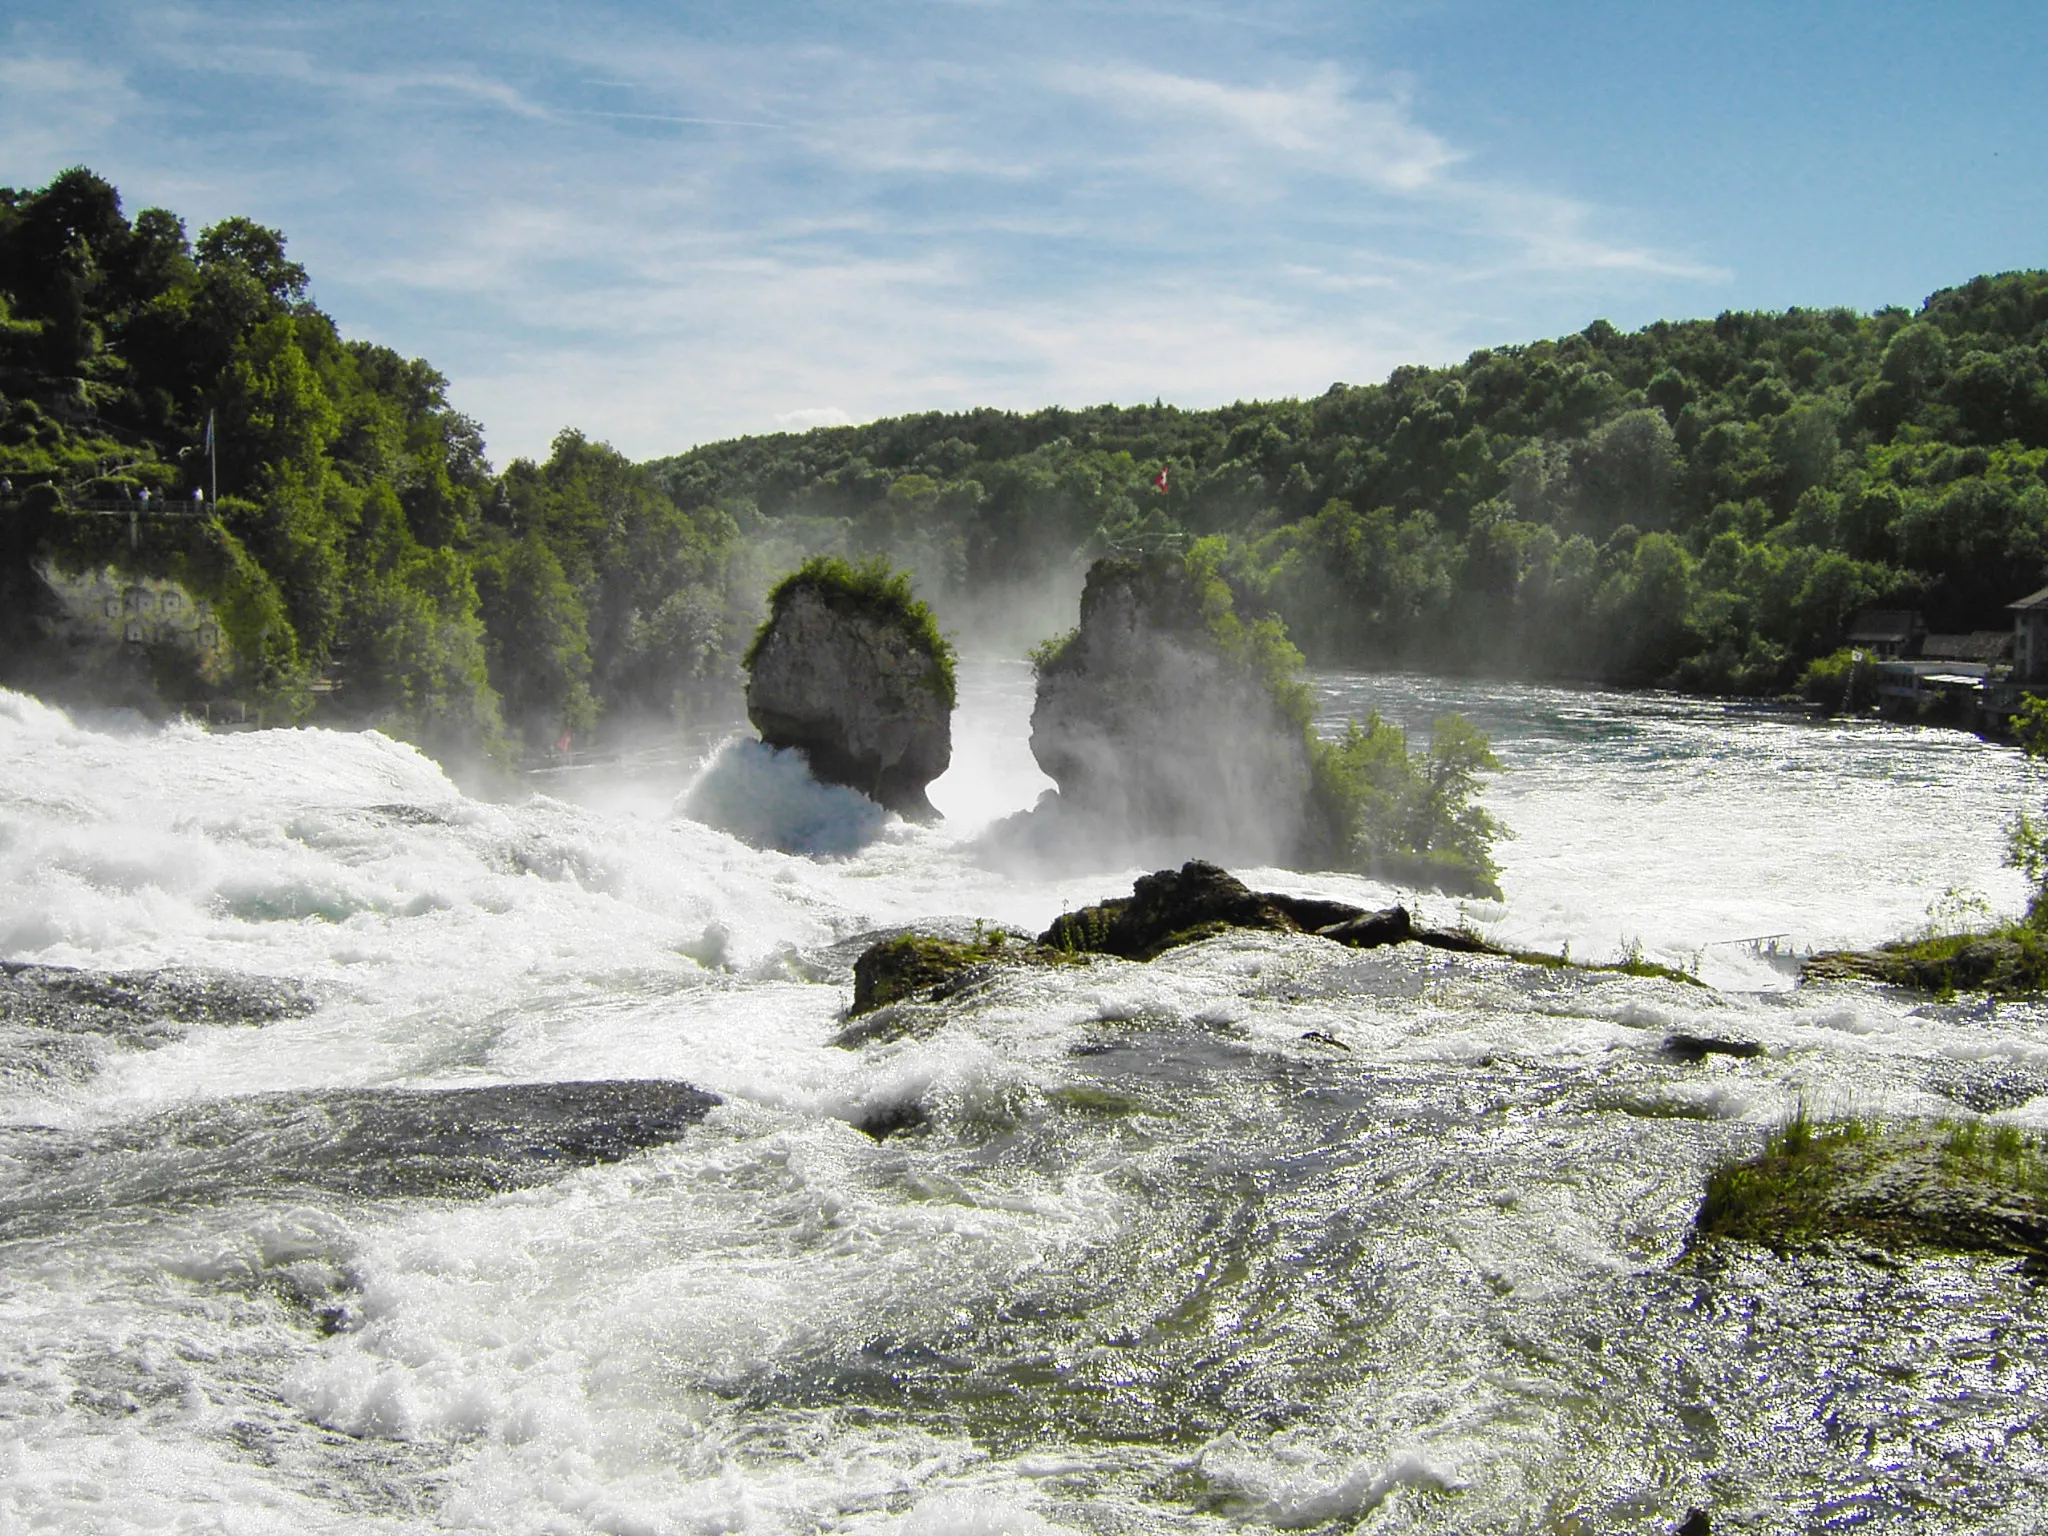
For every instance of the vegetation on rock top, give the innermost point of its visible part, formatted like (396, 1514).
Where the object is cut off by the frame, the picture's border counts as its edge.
(869, 587)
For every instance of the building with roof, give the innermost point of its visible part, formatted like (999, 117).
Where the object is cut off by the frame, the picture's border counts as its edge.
(2030, 638)
(1887, 633)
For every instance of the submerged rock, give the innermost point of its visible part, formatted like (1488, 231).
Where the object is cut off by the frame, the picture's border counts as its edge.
(368, 1142)
(143, 1004)
(1694, 1049)
(850, 670)
(1156, 735)
(61, 1024)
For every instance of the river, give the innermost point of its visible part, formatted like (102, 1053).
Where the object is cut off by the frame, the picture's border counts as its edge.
(318, 1216)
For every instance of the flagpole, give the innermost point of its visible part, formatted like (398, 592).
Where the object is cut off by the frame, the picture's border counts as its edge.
(212, 465)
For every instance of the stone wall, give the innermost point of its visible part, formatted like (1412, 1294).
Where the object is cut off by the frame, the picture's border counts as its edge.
(112, 611)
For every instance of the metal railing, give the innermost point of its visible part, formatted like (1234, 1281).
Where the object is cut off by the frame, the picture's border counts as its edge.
(135, 506)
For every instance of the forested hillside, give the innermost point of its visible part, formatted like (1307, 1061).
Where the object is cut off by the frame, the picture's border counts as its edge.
(361, 540)
(1703, 503)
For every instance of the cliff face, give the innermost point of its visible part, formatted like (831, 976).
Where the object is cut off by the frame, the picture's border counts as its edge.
(109, 637)
(857, 692)
(1156, 737)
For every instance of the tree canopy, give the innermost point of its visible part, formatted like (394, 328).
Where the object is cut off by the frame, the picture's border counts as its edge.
(1701, 503)
(375, 549)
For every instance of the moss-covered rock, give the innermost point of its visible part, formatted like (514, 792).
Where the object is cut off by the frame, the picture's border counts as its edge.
(2012, 961)
(902, 967)
(1969, 1188)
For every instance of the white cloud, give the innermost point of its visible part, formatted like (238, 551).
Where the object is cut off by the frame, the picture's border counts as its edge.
(1315, 125)
(56, 112)
(813, 416)
(663, 240)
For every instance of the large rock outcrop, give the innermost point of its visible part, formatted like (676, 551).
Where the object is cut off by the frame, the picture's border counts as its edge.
(850, 670)
(1159, 738)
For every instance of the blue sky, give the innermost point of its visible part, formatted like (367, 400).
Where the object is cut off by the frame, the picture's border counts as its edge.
(671, 223)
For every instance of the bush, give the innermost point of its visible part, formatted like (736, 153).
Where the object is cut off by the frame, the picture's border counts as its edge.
(1407, 816)
(1842, 681)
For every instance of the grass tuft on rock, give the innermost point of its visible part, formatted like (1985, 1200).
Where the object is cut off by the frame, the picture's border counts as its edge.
(1952, 1187)
(2011, 961)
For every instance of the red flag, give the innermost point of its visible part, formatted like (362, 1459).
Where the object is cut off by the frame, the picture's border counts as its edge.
(563, 744)
(1159, 480)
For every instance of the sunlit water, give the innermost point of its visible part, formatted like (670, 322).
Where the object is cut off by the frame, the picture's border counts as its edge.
(1267, 1234)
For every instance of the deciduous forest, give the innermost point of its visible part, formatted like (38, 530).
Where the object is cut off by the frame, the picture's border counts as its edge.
(1702, 504)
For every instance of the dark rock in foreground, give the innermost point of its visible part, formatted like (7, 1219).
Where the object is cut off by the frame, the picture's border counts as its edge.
(1694, 1049)
(1199, 900)
(858, 687)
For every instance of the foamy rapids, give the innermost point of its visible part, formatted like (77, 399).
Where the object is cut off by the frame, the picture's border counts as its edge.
(1265, 1235)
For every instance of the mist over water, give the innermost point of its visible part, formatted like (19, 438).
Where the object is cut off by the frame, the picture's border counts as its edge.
(1266, 1235)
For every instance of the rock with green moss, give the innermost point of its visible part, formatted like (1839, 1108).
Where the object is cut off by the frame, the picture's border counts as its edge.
(2012, 961)
(1969, 1188)
(914, 964)
(850, 669)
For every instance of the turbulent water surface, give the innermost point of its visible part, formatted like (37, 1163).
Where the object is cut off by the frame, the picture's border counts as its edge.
(382, 1159)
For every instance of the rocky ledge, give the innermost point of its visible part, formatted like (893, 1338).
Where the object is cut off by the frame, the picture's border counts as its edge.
(2009, 963)
(1165, 910)
(1973, 1187)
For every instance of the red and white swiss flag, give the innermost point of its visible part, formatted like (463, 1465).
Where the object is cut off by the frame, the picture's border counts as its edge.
(1159, 480)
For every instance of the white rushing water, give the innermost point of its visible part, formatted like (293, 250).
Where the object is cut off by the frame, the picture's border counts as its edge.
(1266, 1234)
